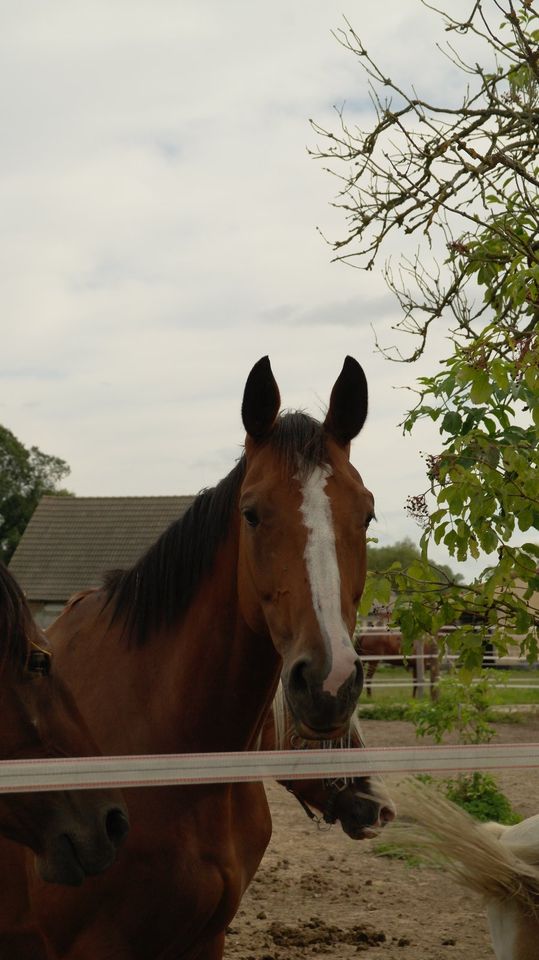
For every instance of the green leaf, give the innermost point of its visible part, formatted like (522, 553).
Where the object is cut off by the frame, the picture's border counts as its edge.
(452, 423)
(480, 390)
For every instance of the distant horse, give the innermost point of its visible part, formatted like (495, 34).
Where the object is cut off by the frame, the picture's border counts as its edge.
(183, 652)
(72, 834)
(384, 643)
(499, 862)
(360, 804)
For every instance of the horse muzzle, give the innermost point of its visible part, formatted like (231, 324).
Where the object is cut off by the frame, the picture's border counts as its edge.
(78, 850)
(318, 713)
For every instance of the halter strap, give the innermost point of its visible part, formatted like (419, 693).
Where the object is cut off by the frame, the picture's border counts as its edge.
(39, 659)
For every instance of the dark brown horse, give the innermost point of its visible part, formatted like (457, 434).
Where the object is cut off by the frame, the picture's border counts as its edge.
(183, 653)
(385, 646)
(360, 804)
(72, 835)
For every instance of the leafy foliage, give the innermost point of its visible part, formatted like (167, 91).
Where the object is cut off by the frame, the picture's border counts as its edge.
(403, 552)
(25, 476)
(481, 796)
(464, 180)
(462, 706)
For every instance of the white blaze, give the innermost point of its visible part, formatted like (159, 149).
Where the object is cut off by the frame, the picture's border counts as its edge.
(324, 577)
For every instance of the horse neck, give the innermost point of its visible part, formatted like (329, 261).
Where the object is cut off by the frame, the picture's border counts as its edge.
(223, 674)
(203, 684)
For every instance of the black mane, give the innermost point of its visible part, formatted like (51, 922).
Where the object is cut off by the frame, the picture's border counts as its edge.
(16, 623)
(157, 590)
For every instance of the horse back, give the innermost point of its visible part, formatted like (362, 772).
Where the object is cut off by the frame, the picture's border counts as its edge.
(380, 644)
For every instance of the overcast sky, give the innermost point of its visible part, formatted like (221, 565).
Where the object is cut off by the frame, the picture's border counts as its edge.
(158, 233)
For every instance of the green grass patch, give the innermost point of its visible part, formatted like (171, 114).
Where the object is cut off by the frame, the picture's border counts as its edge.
(512, 716)
(479, 794)
(384, 711)
(510, 694)
(393, 852)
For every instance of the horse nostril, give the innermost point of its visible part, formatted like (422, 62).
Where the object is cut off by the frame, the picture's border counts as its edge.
(386, 815)
(359, 675)
(297, 678)
(117, 826)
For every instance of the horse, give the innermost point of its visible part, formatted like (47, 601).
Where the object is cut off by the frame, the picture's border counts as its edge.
(499, 862)
(381, 644)
(71, 834)
(260, 578)
(360, 804)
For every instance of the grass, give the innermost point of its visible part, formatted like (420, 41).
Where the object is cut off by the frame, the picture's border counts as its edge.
(390, 704)
(393, 852)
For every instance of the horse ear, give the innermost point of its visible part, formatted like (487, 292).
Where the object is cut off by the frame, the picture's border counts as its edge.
(261, 401)
(348, 403)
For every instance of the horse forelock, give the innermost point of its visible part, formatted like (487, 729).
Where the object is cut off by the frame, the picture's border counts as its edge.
(16, 623)
(299, 442)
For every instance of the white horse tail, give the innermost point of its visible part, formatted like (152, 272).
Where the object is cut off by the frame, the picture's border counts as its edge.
(501, 863)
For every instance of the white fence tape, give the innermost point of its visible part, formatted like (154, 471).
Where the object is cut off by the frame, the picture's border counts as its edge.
(24, 776)
(378, 684)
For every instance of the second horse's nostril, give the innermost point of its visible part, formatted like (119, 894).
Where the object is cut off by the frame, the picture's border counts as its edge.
(386, 815)
(117, 826)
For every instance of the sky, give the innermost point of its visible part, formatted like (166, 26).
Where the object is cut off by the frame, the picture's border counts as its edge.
(159, 234)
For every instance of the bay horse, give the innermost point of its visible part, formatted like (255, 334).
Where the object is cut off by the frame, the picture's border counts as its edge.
(382, 644)
(183, 653)
(499, 862)
(360, 804)
(70, 835)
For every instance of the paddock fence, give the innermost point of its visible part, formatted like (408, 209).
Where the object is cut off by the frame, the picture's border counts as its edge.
(124, 772)
(76, 773)
(445, 662)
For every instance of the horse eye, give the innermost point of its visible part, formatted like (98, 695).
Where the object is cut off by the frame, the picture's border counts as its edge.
(251, 517)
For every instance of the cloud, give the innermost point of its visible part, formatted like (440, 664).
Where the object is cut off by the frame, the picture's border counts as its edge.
(159, 233)
(347, 313)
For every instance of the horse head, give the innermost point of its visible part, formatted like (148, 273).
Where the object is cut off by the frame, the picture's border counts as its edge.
(75, 833)
(302, 559)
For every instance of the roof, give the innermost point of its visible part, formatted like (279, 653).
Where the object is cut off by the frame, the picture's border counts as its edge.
(70, 542)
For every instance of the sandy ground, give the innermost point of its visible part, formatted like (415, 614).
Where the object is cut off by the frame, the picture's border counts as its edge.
(318, 892)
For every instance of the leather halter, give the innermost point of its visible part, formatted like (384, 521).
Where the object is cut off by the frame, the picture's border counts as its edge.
(333, 788)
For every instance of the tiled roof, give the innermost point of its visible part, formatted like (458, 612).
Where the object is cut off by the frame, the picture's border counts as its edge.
(71, 542)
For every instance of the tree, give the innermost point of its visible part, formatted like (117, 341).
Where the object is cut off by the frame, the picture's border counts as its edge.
(25, 476)
(462, 179)
(403, 552)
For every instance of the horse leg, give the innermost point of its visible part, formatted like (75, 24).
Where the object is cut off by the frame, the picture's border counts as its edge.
(369, 674)
(413, 668)
(434, 677)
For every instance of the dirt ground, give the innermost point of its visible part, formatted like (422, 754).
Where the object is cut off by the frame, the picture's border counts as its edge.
(319, 893)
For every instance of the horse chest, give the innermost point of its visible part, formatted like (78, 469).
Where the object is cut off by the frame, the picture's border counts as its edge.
(178, 882)
(514, 935)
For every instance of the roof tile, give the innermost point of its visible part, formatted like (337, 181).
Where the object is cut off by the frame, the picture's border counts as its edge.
(71, 542)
